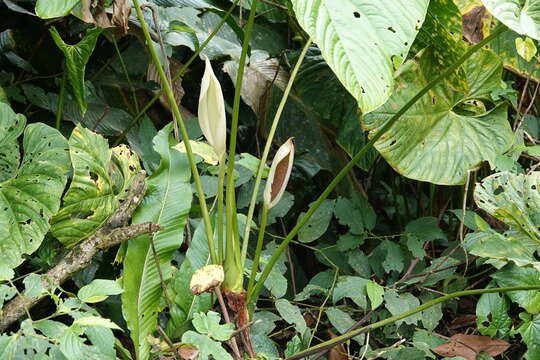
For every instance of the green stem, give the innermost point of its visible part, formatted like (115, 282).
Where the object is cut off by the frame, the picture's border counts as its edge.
(258, 250)
(234, 274)
(344, 337)
(267, 147)
(445, 74)
(60, 102)
(126, 74)
(185, 137)
(221, 180)
(178, 74)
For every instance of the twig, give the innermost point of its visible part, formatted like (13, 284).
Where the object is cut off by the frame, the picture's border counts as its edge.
(79, 257)
(232, 342)
(169, 342)
(160, 273)
(165, 58)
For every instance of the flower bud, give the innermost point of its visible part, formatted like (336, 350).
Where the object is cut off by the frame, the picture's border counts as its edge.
(212, 111)
(280, 171)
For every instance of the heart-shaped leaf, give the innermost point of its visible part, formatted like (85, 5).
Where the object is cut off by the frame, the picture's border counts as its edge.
(522, 16)
(447, 132)
(30, 192)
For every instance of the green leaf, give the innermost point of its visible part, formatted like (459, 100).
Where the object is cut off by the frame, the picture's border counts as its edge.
(492, 315)
(522, 16)
(30, 192)
(526, 48)
(355, 213)
(72, 344)
(101, 179)
(167, 202)
(352, 287)
(50, 328)
(447, 132)
(47, 9)
(364, 64)
(317, 225)
(375, 293)
(96, 321)
(512, 275)
(342, 322)
(98, 290)
(399, 303)
(32, 285)
(207, 347)
(292, 315)
(505, 46)
(513, 199)
(208, 324)
(530, 332)
(6, 293)
(76, 58)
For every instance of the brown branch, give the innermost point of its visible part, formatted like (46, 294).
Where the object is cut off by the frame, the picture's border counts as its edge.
(113, 233)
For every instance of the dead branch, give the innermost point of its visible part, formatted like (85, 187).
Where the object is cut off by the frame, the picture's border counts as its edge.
(113, 233)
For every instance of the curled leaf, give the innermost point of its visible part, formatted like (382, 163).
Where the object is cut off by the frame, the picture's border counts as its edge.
(212, 111)
(280, 171)
(206, 278)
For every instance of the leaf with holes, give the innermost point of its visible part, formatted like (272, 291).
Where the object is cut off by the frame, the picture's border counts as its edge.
(30, 192)
(363, 41)
(101, 179)
(447, 132)
(167, 202)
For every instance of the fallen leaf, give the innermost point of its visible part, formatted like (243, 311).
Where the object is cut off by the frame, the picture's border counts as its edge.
(337, 352)
(188, 352)
(469, 346)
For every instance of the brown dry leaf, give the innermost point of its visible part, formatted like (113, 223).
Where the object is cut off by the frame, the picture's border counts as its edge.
(338, 352)
(188, 352)
(261, 73)
(463, 321)
(469, 346)
(153, 75)
(206, 278)
(121, 11)
(476, 24)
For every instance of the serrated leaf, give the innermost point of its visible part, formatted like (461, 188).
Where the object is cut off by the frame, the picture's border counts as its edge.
(76, 58)
(30, 192)
(318, 223)
(352, 287)
(292, 315)
(363, 41)
(32, 285)
(492, 315)
(512, 275)
(447, 132)
(399, 303)
(342, 322)
(98, 290)
(101, 179)
(167, 202)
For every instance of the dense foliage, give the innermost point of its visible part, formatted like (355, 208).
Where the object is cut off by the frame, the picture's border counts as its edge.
(275, 179)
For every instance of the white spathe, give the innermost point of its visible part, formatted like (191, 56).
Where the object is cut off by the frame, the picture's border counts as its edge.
(212, 111)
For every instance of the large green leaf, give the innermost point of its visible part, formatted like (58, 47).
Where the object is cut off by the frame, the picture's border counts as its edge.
(76, 58)
(47, 9)
(514, 200)
(522, 16)
(101, 179)
(363, 41)
(30, 192)
(167, 203)
(447, 132)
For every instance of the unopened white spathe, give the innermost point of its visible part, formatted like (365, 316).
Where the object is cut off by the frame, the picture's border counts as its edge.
(212, 111)
(284, 153)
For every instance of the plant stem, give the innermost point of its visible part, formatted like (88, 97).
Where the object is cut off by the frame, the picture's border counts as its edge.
(221, 179)
(267, 147)
(344, 337)
(258, 250)
(185, 137)
(60, 103)
(252, 297)
(176, 76)
(233, 262)
(126, 74)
